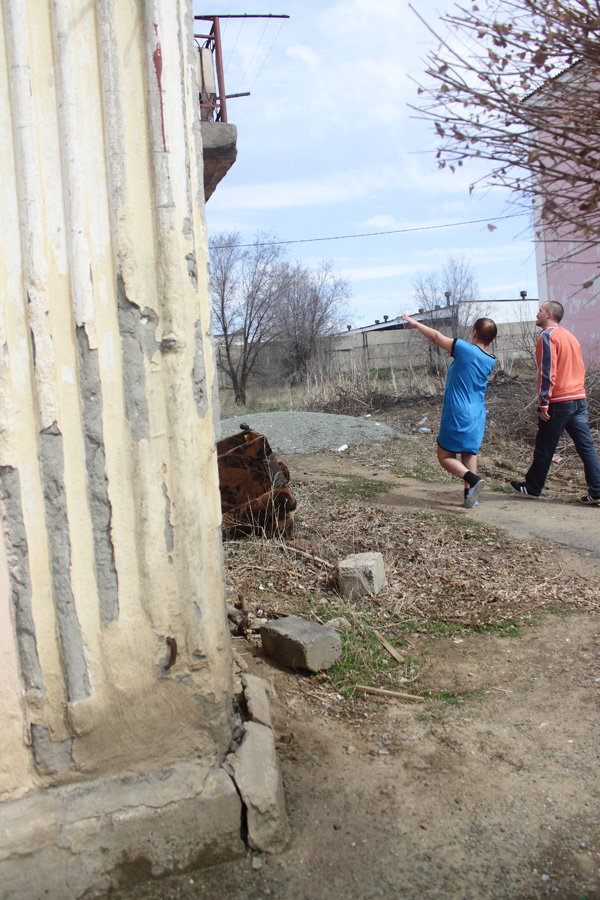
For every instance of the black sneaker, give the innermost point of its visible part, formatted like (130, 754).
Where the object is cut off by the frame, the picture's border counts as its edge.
(473, 493)
(519, 487)
(589, 500)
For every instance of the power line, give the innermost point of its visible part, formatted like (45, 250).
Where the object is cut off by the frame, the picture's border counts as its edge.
(253, 55)
(234, 45)
(267, 56)
(343, 237)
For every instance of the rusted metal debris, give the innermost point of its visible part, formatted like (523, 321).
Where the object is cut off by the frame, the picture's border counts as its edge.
(255, 492)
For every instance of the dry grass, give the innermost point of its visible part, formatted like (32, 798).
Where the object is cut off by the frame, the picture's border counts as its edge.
(445, 573)
(441, 570)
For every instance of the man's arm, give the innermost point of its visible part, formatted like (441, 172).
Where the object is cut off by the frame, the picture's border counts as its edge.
(547, 373)
(436, 337)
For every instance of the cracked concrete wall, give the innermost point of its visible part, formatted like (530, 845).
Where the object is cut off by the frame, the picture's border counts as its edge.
(108, 478)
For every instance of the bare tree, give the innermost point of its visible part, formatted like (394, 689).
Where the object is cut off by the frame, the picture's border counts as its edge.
(314, 306)
(449, 296)
(516, 84)
(246, 285)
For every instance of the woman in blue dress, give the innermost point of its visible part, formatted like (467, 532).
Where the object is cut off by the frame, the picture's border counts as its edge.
(463, 413)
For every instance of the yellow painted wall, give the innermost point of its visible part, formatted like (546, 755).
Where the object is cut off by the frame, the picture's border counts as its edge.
(106, 381)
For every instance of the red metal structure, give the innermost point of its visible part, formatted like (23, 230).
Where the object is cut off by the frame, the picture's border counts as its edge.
(214, 108)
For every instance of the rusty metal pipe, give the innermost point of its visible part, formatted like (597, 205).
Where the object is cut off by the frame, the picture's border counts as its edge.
(219, 67)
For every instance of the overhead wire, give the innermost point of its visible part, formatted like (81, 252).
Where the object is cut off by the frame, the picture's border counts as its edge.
(267, 56)
(234, 46)
(253, 55)
(343, 237)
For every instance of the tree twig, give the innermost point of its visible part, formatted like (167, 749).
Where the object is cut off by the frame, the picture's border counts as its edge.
(308, 556)
(383, 692)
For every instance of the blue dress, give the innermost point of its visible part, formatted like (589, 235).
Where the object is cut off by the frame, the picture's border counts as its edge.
(463, 413)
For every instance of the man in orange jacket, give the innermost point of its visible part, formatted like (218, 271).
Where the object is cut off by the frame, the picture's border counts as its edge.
(562, 405)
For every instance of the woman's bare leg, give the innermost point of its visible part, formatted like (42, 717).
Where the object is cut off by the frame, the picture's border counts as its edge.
(469, 461)
(450, 463)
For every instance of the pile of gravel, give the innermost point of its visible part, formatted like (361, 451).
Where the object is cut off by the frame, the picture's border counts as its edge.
(307, 432)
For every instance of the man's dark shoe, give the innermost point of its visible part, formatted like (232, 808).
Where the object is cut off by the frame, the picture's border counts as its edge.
(520, 488)
(590, 501)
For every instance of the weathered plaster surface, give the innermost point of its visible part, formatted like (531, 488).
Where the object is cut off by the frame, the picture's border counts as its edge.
(89, 840)
(100, 508)
(17, 774)
(20, 579)
(110, 487)
(132, 327)
(57, 522)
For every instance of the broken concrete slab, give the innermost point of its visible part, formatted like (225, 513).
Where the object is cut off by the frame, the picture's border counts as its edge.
(92, 838)
(257, 699)
(256, 774)
(361, 574)
(299, 644)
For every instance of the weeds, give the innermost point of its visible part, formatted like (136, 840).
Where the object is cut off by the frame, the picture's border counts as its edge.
(359, 488)
(447, 576)
(364, 659)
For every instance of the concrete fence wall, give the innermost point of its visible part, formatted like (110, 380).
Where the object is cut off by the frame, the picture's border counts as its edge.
(400, 350)
(406, 348)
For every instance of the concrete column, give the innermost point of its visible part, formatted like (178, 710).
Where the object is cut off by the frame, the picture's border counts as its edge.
(108, 478)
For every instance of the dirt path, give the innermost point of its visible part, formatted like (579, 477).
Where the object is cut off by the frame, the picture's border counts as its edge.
(569, 527)
(572, 528)
(490, 791)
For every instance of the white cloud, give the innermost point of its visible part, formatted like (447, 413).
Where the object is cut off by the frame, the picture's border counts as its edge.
(305, 55)
(382, 222)
(341, 186)
(436, 256)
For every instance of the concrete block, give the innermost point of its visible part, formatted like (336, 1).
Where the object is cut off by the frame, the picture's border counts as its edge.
(300, 644)
(96, 837)
(361, 574)
(258, 779)
(257, 699)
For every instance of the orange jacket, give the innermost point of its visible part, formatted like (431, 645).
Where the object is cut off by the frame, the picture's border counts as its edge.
(560, 366)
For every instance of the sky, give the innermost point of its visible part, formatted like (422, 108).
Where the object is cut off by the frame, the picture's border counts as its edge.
(328, 146)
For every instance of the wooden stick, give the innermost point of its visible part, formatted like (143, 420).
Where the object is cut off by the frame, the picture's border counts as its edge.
(308, 556)
(523, 611)
(391, 650)
(384, 693)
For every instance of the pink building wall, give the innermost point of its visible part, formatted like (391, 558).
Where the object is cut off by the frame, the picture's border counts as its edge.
(561, 279)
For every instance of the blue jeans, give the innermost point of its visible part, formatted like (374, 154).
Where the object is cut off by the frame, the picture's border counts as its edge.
(572, 416)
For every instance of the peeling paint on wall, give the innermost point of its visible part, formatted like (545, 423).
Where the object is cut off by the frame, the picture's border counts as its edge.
(199, 372)
(57, 756)
(158, 65)
(192, 267)
(169, 533)
(100, 508)
(69, 630)
(17, 553)
(134, 373)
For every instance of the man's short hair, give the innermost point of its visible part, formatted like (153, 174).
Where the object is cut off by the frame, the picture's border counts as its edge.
(556, 308)
(486, 330)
